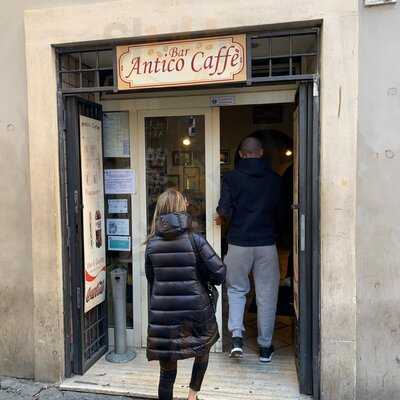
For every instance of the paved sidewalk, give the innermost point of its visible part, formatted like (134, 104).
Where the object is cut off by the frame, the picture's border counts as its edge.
(21, 389)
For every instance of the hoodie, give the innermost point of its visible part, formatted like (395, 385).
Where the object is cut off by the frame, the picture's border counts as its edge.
(250, 200)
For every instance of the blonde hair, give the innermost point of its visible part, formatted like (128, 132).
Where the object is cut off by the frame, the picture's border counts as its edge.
(170, 201)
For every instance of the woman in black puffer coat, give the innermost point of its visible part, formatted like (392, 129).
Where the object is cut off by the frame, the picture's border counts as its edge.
(182, 321)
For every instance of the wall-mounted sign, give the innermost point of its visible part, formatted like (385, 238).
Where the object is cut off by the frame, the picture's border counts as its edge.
(181, 63)
(116, 134)
(119, 181)
(379, 2)
(93, 212)
(224, 100)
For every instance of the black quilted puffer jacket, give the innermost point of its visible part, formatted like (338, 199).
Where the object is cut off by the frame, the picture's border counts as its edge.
(182, 323)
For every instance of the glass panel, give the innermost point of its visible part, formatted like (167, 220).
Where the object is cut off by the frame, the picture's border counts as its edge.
(280, 66)
(105, 59)
(89, 79)
(118, 210)
(175, 157)
(260, 68)
(260, 54)
(106, 77)
(70, 80)
(260, 48)
(89, 60)
(309, 65)
(69, 62)
(303, 44)
(280, 46)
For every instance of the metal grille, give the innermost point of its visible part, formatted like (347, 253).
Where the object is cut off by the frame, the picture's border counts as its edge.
(94, 332)
(271, 56)
(283, 55)
(89, 71)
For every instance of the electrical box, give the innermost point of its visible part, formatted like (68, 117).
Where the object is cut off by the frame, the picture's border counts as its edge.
(379, 2)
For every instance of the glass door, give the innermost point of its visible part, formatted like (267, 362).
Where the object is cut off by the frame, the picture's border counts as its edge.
(181, 150)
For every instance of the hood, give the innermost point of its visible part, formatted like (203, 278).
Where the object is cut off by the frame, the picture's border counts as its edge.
(173, 224)
(253, 166)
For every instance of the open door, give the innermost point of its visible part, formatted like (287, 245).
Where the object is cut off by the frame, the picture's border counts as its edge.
(182, 151)
(86, 232)
(306, 237)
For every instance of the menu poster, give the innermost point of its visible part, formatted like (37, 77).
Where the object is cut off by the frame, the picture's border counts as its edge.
(116, 134)
(93, 212)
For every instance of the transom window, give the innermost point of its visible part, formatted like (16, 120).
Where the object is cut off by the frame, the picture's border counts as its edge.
(272, 56)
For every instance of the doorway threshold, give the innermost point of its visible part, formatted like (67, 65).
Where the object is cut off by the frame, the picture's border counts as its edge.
(225, 379)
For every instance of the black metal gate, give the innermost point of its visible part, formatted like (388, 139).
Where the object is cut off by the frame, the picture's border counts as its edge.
(308, 243)
(89, 339)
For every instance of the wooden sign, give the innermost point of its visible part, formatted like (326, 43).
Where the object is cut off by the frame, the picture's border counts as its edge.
(182, 63)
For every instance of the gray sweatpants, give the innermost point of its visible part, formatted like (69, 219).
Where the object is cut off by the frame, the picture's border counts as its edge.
(263, 262)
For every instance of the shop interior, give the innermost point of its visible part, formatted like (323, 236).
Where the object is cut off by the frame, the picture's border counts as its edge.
(274, 126)
(175, 157)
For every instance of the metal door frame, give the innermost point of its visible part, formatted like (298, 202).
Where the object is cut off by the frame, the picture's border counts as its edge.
(312, 207)
(73, 254)
(309, 228)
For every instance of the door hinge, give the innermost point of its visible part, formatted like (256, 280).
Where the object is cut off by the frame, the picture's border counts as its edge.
(76, 199)
(316, 86)
(78, 297)
(302, 232)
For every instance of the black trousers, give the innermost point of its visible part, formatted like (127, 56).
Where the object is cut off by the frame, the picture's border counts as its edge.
(168, 370)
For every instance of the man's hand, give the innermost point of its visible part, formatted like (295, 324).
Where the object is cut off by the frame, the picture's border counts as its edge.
(218, 220)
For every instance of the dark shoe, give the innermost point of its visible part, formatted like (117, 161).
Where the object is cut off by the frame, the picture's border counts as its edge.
(266, 354)
(237, 347)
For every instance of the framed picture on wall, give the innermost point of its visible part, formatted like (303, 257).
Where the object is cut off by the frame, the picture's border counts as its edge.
(191, 179)
(173, 181)
(225, 157)
(182, 158)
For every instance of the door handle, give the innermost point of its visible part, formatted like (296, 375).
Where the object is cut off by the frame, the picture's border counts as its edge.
(302, 232)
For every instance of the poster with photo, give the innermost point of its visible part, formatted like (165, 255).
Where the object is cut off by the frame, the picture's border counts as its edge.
(93, 212)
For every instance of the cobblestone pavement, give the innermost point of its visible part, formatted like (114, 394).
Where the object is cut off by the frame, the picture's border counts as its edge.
(21, 389)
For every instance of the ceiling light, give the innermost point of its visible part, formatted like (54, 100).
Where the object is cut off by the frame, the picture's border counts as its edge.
(186, 141)
(288, 152)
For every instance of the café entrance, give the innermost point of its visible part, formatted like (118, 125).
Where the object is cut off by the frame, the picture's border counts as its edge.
(187, 139)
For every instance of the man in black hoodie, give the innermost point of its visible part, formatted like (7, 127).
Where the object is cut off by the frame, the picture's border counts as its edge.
(249, 201)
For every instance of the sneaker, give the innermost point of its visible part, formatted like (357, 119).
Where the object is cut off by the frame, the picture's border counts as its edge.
(237, 347)
(266, 354)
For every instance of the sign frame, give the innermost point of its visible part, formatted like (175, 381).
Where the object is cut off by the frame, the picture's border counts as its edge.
(190, 52)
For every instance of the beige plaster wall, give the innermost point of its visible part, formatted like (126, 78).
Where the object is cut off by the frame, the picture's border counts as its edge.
(125, 19)
(378, 213)
(16, 274)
